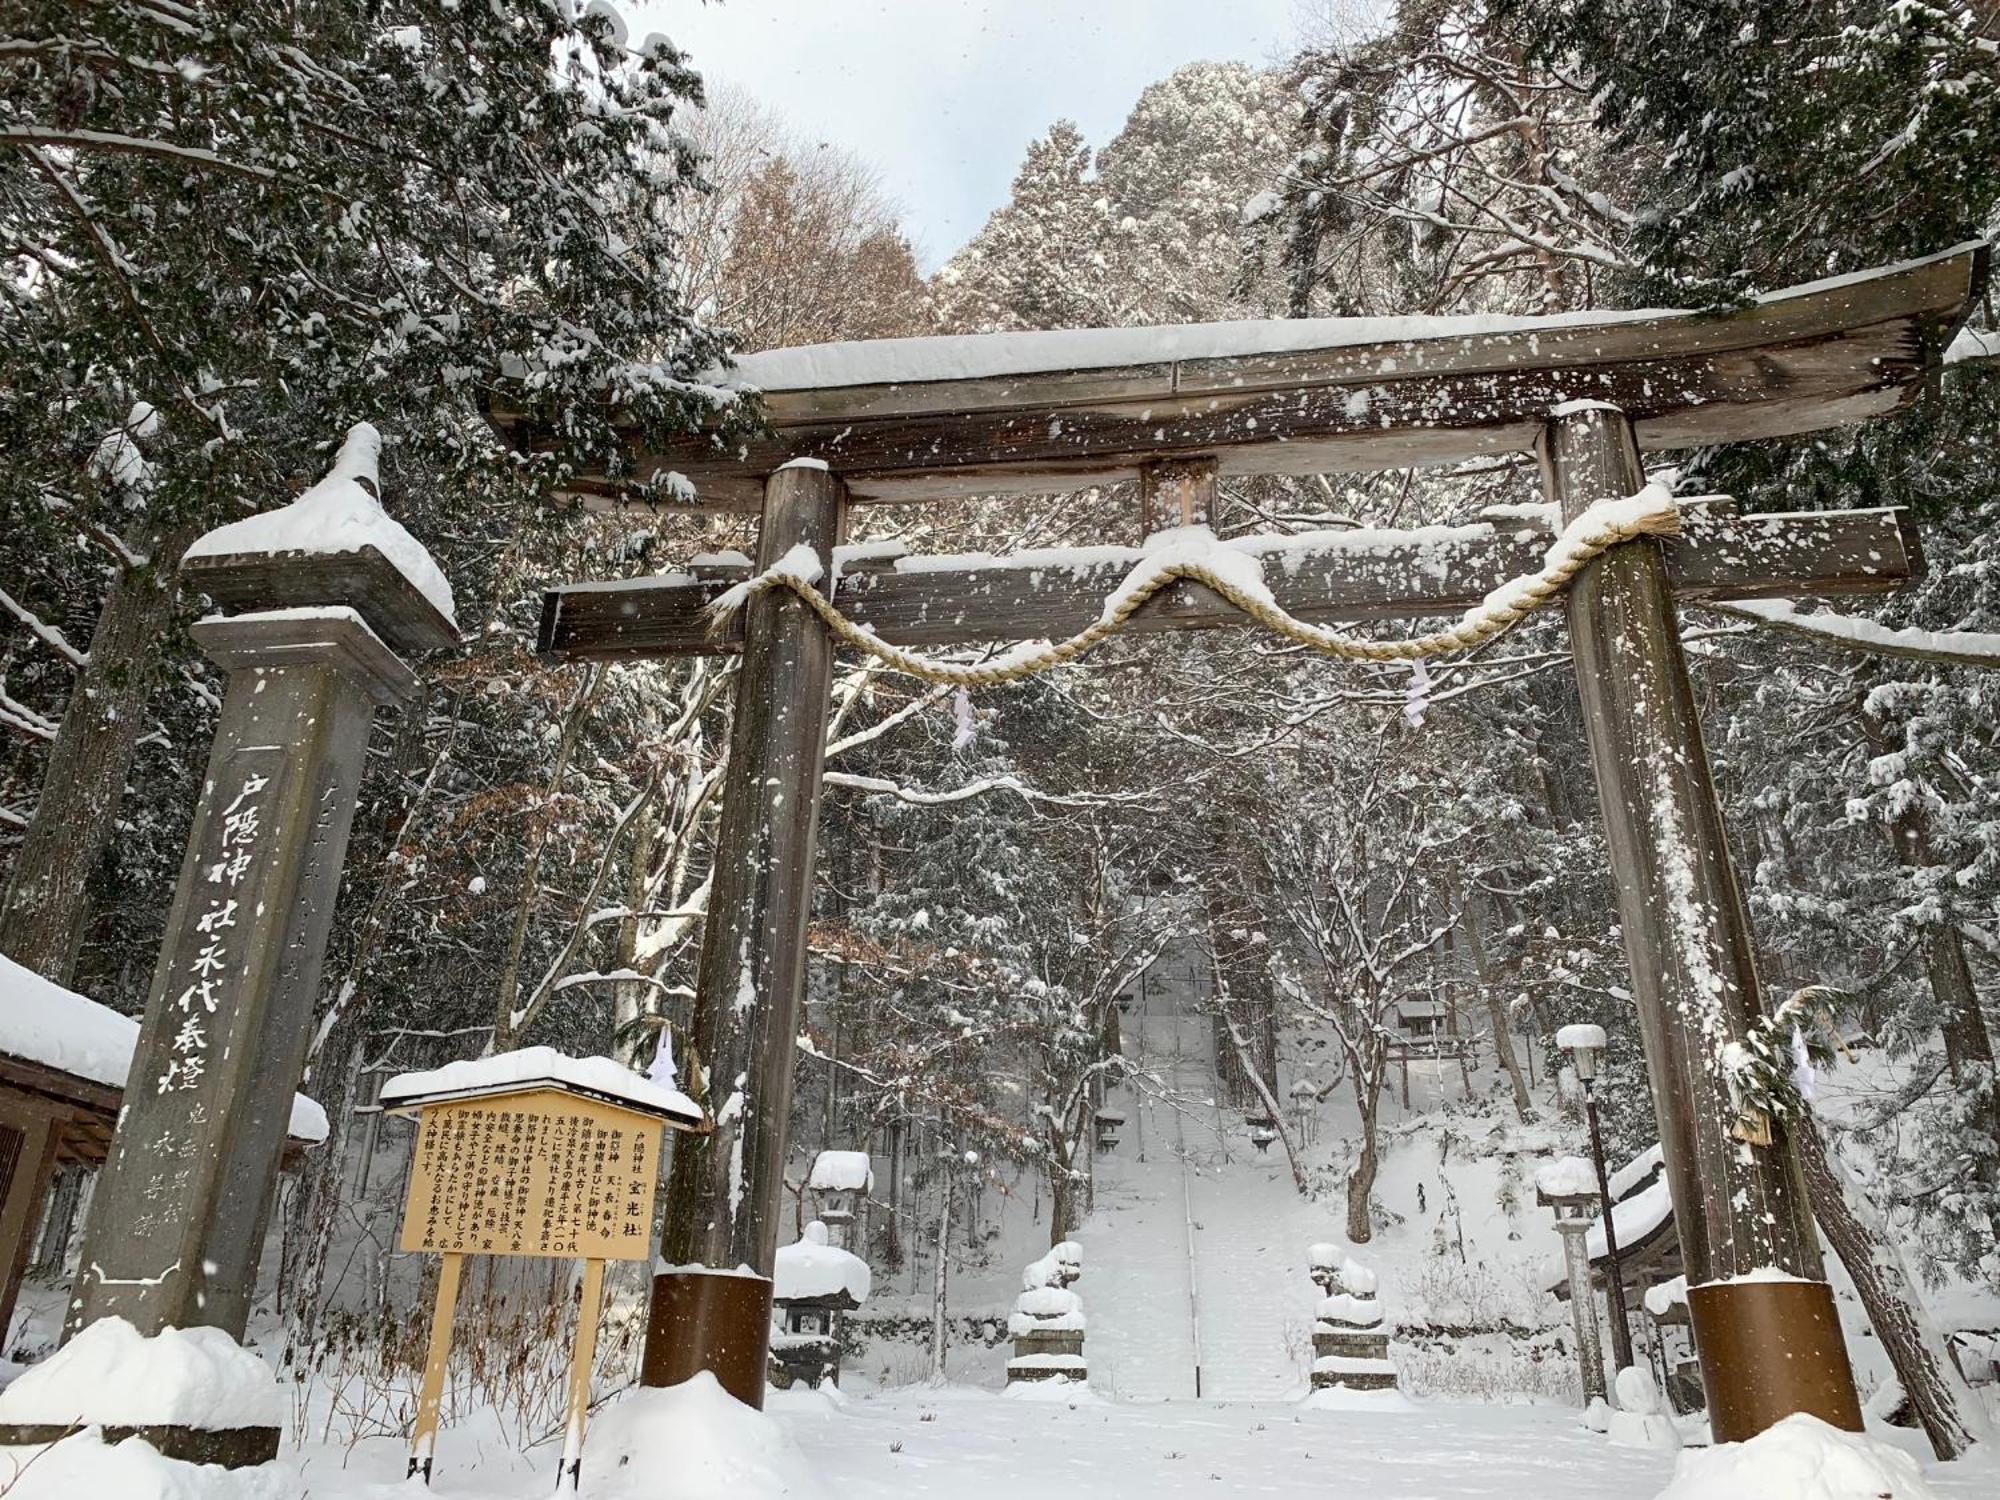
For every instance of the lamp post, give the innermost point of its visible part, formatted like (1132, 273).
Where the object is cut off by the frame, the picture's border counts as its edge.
(1585, 1045)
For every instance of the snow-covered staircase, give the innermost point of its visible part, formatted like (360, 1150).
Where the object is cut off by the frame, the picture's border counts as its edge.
(1184, 1265)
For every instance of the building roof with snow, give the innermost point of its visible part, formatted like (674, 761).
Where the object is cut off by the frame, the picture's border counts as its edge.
(58, 1043)
(534, 1068)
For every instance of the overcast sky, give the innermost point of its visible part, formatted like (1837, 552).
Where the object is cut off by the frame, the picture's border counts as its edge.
(942, 96)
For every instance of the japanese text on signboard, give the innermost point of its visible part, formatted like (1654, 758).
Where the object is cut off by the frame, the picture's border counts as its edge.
(541, 1173)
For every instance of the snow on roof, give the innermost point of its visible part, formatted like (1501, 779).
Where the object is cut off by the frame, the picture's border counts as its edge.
(184, 1377)
(978, 356)
(1640, 1170)
(841, 1172)
(1566, 1177)
(814, 1269)
(988, 355)
(41, 1022)
(1663, 1297)
(541, 1068)
(1636, 1217)
(339, 514)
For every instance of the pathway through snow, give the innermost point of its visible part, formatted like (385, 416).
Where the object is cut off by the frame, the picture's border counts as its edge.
(1181, 1158)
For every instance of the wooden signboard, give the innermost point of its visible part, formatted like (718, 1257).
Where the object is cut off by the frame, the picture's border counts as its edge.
(529, 1170)
(540, 1173)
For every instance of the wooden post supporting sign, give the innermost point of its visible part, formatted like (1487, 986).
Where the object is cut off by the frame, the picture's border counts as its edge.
(1746, 1231)
(430, 1397)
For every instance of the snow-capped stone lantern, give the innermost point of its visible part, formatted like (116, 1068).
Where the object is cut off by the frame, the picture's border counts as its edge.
(1047, 1322)
(813, 1283)
(838, 1182)
(1304, 1094)
(1569, 1186)
(1350, 1346)
(1109, 1122)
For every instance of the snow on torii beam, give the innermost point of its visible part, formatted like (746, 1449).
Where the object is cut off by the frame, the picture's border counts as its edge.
(1326, 577)
(933, 418)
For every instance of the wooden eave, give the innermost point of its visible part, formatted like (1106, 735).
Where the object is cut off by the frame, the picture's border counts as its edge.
(87, 1111)
(1816, 356)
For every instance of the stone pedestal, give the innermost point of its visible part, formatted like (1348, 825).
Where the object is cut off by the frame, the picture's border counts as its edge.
(1047, 1326)
(1047, 1354)
(1350, 1343)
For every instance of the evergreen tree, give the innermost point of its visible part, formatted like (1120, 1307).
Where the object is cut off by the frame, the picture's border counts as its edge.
(231, 229)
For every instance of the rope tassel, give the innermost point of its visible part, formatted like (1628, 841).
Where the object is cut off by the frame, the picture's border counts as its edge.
(1235, 576)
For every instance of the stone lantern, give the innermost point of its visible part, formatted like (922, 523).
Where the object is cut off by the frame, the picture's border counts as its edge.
(1047, 1322)
(1109, 1122)
(813, 1284)
(839, 1183)
(1569, 1186)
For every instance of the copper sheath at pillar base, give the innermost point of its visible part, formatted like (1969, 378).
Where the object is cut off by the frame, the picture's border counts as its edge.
(1769, 1349)
(719, 1321)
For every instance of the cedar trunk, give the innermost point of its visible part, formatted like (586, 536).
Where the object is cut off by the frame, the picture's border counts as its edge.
(1948, 1412)
(46, 904)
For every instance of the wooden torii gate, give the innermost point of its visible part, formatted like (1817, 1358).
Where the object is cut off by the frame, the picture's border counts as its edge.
(923, 419)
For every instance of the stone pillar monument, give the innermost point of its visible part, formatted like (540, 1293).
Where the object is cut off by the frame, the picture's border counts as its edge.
(324, 594)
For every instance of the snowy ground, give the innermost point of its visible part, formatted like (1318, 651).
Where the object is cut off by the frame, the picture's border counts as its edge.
(1194, 1257)
(958, 1444)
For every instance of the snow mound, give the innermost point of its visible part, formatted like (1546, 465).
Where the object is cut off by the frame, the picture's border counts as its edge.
(339, 514)
(539, 1067)
(813, 1268)
(58, 1028)
(1046, 1309)
(1358, 1279)
(1346, 1398)
(694, 1441)
(1355, 1312)
(85, 1467)
(1802, 1458)
(1060, 1389)
(110, 1373)
(1641, 1420)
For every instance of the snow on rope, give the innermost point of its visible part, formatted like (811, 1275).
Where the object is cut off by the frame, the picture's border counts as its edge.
(1193, 553)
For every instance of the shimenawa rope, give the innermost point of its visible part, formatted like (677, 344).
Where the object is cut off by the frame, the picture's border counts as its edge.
(1498, 613)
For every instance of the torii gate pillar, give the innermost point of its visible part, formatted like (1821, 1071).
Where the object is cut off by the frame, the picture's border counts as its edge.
(726, 1194)
(1765, 1324)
